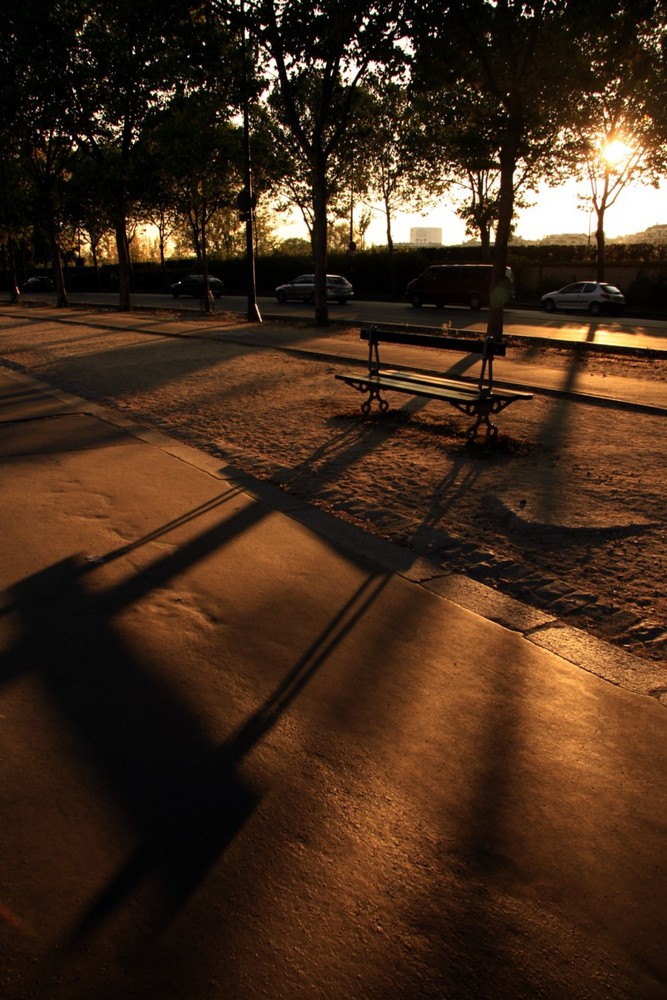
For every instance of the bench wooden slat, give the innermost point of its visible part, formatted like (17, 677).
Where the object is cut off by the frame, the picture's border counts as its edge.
(435, 387)
(442, 341)
(437, 380)
(451, 395)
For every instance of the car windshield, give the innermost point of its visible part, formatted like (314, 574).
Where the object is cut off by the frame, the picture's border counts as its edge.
(610, 289)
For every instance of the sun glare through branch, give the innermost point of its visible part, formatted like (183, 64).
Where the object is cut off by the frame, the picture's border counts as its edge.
(616, 152)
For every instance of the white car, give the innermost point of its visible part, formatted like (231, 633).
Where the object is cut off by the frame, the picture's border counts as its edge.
(302, 289)
(594, 297)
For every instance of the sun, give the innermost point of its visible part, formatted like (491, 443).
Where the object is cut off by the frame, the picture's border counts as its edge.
(616, 151)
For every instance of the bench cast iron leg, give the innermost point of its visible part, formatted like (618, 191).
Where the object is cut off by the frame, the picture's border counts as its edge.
(373, 394)
(491, 430)
(482, 410)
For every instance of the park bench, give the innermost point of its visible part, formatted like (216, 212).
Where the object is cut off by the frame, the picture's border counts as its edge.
(477, 398)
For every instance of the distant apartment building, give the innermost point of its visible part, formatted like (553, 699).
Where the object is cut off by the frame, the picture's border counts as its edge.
(425, 236)
(654, 234)
(564, 239)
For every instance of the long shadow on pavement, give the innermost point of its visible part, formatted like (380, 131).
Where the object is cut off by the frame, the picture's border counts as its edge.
(185, 796)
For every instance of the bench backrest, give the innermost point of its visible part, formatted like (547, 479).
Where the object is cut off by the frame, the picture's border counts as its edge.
(486, 346)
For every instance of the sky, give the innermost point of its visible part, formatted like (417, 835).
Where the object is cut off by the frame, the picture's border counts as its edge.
(555, 211)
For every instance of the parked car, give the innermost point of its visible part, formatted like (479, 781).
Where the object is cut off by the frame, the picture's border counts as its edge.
(37, 285)
(194, 285)
(594, 297)
(302, 289)
(458, 284)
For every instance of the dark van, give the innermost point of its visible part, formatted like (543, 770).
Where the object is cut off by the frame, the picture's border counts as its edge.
(457, 284)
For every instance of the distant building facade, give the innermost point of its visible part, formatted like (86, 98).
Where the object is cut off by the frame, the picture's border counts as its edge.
(425, 236)
(654, 234)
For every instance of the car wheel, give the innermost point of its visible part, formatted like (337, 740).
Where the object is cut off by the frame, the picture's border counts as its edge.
(595, 309)
(475, 302)
(416, 301)
(342, 302)
(281, 297)
(549, 305)
(311, 299)
(175, 294)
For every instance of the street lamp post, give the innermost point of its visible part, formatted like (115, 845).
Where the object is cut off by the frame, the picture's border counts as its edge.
(253, 309)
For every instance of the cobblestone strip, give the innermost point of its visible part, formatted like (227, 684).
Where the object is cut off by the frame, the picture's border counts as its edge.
(611, 622)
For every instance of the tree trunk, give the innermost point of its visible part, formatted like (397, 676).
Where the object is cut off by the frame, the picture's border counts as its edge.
(499, 285)
(207, 298)
(14, 293)
(57, 262)
(485, 240)
(320, 242)
(123, 252)
(390, 250)
(96, 263)
(61, 293)
(163, 265)
(600, 245)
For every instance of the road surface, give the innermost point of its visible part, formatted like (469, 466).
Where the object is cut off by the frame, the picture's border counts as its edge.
(626, 331)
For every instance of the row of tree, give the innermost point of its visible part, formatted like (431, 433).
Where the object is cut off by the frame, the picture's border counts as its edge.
(115, 112)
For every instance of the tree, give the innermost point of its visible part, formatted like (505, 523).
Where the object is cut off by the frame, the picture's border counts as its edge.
(320, 54)
(509, 56)
(402, 158)
(200, 179)
(86, 203)
(137, 57)
(293, 178)
(14, 212)
(40, 76)
(615, 135)
(465, 132)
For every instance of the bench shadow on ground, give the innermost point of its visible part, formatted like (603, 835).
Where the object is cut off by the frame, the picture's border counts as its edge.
(184, 797)
(545, 482)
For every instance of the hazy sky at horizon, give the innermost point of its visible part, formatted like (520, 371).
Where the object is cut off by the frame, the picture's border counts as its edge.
(555, 211)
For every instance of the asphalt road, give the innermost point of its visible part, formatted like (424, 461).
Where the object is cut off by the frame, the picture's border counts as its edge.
(626, 331)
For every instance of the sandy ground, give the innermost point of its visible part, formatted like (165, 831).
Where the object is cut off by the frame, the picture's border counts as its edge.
(568, 513)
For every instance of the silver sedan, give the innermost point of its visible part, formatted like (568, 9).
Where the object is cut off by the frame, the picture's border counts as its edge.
(302, 289)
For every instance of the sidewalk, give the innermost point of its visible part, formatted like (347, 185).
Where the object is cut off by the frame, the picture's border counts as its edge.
(245, 754)
(518, 369)
(522, 367)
